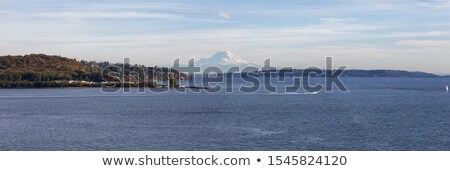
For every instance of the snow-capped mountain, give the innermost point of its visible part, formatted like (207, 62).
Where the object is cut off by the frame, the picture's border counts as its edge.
(224, 60)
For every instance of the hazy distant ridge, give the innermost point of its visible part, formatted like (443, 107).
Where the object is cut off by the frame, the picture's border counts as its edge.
(346, 73)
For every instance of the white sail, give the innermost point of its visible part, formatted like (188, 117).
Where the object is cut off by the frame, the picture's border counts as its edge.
(446, 88)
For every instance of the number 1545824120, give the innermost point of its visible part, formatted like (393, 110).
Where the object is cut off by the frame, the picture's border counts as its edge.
(308, 160)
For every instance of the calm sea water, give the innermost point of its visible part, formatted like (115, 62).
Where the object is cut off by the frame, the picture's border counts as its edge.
(377, 114)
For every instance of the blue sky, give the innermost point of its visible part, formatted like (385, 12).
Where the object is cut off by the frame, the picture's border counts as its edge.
(381, 34)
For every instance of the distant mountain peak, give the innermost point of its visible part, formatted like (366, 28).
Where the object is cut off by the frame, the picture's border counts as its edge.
(224, 60)
(224, 53)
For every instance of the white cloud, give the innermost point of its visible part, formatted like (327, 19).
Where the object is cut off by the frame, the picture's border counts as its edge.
(118, 15)
(402, 4)
(418, 34)
(142, 10)
(224, 14)
(425, 43)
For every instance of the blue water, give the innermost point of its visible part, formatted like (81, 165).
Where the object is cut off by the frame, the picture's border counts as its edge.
(377, 114)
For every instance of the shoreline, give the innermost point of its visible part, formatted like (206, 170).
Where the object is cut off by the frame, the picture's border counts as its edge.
(92, 87)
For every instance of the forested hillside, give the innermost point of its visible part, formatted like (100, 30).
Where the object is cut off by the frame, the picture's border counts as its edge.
(39, 70)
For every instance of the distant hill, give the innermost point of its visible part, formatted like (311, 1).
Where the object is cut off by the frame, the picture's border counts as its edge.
(386, 73)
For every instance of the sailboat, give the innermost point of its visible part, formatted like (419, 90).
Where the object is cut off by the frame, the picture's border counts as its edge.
(446, 88)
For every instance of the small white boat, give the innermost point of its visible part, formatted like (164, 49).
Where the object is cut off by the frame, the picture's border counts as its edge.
(446, 88)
